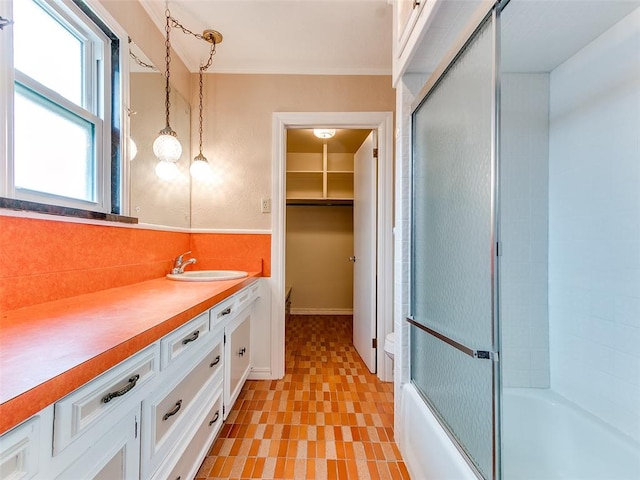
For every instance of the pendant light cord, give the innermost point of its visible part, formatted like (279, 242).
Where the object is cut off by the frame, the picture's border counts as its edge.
(167, 73)
(201, 75)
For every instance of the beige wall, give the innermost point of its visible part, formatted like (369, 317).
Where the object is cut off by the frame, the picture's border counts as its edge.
(237, 134)
(319, 241)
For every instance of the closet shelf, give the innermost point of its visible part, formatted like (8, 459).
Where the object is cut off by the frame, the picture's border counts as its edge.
(332, 184)
(326, 202)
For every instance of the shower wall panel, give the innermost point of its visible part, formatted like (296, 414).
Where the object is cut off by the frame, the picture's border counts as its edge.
(594, 227)
(524, 177)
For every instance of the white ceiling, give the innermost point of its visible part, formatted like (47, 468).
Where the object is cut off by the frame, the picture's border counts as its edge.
(336, 37)
(534, 33)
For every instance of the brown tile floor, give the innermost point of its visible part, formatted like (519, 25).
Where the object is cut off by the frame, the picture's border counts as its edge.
(328, 418)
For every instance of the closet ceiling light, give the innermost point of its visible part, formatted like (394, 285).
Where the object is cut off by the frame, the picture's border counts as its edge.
(324, 132)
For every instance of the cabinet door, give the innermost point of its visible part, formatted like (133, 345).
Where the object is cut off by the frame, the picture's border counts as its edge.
(406, 14)
(116, 456)
(238, 356)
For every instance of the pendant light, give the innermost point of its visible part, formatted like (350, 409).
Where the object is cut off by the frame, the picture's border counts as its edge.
(200, 167)
(167, 147)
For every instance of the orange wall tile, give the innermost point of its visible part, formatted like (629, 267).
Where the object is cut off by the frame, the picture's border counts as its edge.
(44, 260)
(251, 252)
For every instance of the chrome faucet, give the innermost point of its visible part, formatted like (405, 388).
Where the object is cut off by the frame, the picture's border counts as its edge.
(179, 265)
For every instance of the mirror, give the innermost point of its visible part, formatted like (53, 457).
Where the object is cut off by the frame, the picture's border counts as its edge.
(152, 199)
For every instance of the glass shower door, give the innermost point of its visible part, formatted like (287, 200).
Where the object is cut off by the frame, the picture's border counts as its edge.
(452, 319)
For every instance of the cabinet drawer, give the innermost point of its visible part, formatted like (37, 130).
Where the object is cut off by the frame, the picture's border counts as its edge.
(192, 457)
(167, 414)
(247, 295)
(19, 451)
(189, 337)
(223, 310)
(84, 407)
(114, 456)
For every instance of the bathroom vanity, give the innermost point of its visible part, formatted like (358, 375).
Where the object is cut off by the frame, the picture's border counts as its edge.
(155, 413)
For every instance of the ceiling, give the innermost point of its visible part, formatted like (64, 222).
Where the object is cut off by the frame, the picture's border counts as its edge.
(534, 35)
(333, 37)
(344, 141)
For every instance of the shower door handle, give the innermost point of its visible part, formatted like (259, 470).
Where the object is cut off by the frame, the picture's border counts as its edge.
(479, 354)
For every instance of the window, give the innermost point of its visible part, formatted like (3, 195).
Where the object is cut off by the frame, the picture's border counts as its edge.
(60, 103)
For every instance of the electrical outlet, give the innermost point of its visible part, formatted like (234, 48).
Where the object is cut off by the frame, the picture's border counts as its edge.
(265, 205)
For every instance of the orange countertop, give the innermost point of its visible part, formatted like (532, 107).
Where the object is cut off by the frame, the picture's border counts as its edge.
(49, 350)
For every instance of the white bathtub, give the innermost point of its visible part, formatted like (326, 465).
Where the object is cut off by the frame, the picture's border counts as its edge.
(427, 450)
(546, 437)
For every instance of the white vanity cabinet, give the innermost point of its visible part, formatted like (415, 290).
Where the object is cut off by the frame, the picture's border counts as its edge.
(153, 416)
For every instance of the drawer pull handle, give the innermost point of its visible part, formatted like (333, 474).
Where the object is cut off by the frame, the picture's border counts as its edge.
(127, 388)
(215, 418)
(215, 362)
(191, 338)
(174, 411)
(226, 311)
(242, 351)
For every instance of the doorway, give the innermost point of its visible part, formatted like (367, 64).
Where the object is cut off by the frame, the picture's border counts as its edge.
(331, 229)
(381, 123)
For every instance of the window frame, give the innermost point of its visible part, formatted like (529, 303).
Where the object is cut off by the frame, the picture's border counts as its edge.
(111, 175)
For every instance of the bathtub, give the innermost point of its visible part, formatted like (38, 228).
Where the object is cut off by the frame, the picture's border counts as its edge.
(547, 437)
(427, 450)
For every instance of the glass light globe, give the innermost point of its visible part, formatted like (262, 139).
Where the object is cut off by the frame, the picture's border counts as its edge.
(167, 170)
(133, 149)
(200, 168)
(167, 147)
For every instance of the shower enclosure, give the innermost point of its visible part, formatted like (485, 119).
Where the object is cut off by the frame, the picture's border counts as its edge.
(525, 247)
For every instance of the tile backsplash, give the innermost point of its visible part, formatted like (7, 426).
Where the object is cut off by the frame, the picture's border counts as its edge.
(43, 260)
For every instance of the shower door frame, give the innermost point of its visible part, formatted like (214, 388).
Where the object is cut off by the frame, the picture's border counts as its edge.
(487, 11)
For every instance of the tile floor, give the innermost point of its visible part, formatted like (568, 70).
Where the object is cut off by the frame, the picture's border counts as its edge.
(328, 418)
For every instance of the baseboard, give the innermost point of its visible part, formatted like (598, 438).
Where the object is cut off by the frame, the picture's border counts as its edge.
(321, 311)
(261, 374)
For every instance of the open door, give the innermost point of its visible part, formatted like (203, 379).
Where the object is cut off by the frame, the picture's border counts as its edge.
(365, 247)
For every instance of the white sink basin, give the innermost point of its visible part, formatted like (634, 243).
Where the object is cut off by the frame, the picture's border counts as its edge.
(206, 275)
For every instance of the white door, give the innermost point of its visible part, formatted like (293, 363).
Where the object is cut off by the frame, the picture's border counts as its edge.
(364, 250)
